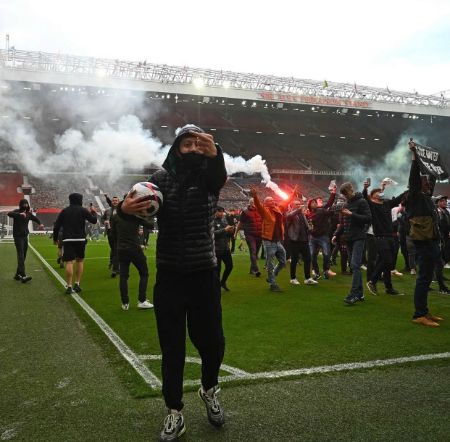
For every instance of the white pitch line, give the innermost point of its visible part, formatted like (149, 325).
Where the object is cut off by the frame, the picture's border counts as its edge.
(123, 348)
(193, 360)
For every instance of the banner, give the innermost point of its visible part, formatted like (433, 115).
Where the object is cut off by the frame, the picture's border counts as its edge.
(430, 162)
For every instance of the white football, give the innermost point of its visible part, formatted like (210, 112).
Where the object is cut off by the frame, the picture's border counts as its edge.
(150, 192)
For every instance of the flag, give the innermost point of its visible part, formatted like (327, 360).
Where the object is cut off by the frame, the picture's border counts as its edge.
(430, 162)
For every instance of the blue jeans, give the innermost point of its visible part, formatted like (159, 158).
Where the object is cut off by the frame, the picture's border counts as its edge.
(356, 251)
(274, 250)
(316, 243)
(427, 253)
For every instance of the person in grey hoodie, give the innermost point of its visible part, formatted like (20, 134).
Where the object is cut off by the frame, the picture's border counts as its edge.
(21, 218)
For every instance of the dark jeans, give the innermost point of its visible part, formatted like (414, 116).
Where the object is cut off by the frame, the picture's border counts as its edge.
(254, 244)
(385, 247)
(195, 298)
(300, 248)
(113, 255)
(356, 250)
(404, 249)
(21, 243)
(138, 259)
(428, 254)
(371, 253)
(226, 258)
(317, 243)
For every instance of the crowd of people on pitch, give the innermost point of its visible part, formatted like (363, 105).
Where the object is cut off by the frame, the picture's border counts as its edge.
(194, 236)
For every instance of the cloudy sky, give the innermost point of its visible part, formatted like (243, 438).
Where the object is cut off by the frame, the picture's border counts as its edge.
(404, 45)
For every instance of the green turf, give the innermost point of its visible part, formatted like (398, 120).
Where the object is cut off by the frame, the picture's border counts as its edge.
(305, 326)
(61, 380)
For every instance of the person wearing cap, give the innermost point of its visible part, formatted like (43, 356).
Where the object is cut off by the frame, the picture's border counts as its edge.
(72, 220)
(423, 219)
(21, 218)
(222, 234)
(187, 289)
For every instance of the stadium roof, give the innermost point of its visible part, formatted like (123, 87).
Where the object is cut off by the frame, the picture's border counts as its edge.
(41, 67)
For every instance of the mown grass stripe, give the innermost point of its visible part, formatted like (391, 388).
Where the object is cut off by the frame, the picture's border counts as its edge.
(124, 350)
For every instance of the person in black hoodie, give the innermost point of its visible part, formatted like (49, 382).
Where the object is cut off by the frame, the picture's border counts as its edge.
(222, 233)
(424, 232)
(21, 218)
(187, 288)
(383, 231)
(73, 221)
(355, 231)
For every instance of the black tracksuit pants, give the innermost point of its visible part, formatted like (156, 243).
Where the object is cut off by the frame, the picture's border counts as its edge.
(192, 298)
(300, 248)
(225, 257)
(21, 243)
(138, 259)
(385, 247)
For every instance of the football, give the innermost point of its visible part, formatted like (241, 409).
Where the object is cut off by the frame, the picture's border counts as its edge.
(150, 192)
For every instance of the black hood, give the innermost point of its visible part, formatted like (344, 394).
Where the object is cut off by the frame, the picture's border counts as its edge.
(173, 160)
(357, 196)
(76, 199)
(22, 204)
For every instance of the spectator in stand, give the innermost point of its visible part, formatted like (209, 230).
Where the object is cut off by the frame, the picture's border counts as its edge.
(251, 222)
(319, 238)
(108, 219)
(21, 218)
(383, 230)
(298, 235)
(72, 219)
(358, 216)
(222, 233)
(272, 235)
(423, 219)
(187, 288)
(129, 251)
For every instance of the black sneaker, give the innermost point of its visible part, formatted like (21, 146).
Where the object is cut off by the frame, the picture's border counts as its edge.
(69, 291)
(17, 278)
(351, 300)
(26, 279)
(275, 288)
(113, 274)
(444, 291)
(372, 287)
(392, 292)
(258, 274)
(77, 288)
(173, 426)
(224, 286)
(214, 410)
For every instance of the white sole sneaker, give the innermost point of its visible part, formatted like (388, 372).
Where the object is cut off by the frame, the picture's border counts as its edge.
(310, 281)
(144, 305)
(294, 282)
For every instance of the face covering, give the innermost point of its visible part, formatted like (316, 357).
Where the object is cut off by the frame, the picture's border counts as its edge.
(192, 160)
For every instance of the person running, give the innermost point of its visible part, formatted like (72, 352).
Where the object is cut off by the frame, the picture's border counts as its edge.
(72, 219)
(21, 218)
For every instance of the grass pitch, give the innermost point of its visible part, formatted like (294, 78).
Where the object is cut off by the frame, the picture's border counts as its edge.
(306, 326)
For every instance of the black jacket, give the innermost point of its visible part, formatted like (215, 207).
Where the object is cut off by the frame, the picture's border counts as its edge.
(221, 237)
(125, 233)
(20, 222)
(359, 220)
(73, 220)
(382, 214)
(185, 240)
(297, 228)
(320, 218)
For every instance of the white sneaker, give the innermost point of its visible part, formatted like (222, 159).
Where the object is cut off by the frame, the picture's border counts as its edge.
(363, 267)
(145, 304)
(310, 281)
(396, 273)
(331, 273)
(125, 306)
(295, 281)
